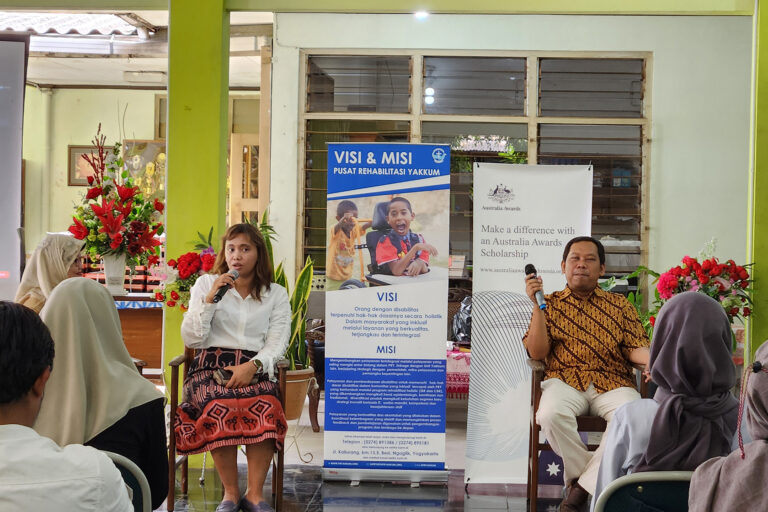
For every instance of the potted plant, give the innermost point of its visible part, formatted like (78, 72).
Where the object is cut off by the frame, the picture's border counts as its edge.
(300, 375)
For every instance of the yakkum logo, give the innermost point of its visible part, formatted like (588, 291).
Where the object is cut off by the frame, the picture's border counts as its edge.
(438, 155)
(501, 194)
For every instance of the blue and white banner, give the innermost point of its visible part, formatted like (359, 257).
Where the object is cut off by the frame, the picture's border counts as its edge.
(522, 214)
(387, 275)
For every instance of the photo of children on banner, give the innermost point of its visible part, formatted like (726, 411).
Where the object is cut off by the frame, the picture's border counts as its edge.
(396, 254)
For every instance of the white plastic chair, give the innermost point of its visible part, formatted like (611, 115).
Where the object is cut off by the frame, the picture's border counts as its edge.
(135, 479)
(650, 490)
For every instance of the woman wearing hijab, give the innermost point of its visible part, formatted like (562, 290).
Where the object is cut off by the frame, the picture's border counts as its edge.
(692, 417)
(738, 480)
(95, 395)
(54, 260)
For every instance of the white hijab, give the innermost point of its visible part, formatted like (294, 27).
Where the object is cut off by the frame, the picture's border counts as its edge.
(94, 381)
(47, 267)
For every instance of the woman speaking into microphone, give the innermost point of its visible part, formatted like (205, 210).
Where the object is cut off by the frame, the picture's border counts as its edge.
(244, 333)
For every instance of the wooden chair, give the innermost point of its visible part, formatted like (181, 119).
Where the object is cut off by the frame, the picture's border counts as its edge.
(175, 461)
(584, 424)
(651, 491)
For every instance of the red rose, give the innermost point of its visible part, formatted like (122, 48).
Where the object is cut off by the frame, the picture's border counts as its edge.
(652, 320)
(172, 263)
(93, 193)
(686, 271)
(207, 261)
(747, 312)
(174, 295)
(153, 260)
(743, 284)
(170, 303)
(116, 241)
(689, 262)
(733, 311)
(159, 206)
(159, 296)
(706, 265)
(743, 274)
(90, 180)
(703, 279)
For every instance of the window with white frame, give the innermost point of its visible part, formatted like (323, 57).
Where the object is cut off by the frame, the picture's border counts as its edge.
(538, 108)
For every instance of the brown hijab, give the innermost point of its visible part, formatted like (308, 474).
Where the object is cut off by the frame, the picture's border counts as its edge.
(691, 363)
(727, 483)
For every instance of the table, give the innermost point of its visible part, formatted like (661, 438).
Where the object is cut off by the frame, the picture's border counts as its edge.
(141, 318)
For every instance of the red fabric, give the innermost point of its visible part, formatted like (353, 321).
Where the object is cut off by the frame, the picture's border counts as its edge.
(386, 252)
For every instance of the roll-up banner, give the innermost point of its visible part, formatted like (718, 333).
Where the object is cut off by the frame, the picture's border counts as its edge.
(13, 63)
(386, 290)
(522, 214)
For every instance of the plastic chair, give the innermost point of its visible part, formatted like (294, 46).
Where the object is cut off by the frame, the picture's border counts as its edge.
(652, 491)
(135, 479)
(175, 461)
(584, 424)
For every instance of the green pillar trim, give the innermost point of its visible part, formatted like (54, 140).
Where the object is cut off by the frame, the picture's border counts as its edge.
(198, 80)
(602, 7)
(758, 332)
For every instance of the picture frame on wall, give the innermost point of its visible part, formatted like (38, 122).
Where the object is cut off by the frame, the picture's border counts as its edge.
(145, 161)
(79, 169)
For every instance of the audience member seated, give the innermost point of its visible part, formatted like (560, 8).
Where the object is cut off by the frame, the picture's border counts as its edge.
(35, 473)
(738, 480)
(692, 417)
(96, 396)
(54, 260)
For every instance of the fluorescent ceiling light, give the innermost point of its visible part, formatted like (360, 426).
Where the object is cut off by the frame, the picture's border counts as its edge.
(421, 15)
(145, 77)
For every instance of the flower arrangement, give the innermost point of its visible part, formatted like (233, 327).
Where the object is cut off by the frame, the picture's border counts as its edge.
(177, 276)
(114, 217)
(727, 283)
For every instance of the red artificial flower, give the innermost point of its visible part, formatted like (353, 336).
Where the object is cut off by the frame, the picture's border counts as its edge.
(90, 180)
(689, 262)
(152, 260)
(743, 284)
(126, 193)
(188, 264)
(733, 311)
(743, 274)
(93, 193)
(104, 208)
(174, 295)
(207, 261)
(706, 265)
(183, 307)
(78, 229)
(170, 303)
(111, 225)
(667, 285)
(126, 208)
(159, 206)
(116, 241)
(172, 263)
(652, 320)
(747, 312)
(703, 279)
(159, 296)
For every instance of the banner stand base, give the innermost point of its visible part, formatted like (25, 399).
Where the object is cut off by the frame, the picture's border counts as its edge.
(384, 475)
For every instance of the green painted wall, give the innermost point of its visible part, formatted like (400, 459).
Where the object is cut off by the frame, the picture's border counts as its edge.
(198, 74)
(759, 213)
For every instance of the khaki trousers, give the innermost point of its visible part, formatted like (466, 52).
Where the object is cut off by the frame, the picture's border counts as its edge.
(558, 408)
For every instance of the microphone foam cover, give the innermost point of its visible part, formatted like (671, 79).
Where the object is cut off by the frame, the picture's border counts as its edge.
(530, 269)
(235, 273)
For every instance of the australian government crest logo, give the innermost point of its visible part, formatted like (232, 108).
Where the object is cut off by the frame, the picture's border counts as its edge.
(438, 155)
(501, 194)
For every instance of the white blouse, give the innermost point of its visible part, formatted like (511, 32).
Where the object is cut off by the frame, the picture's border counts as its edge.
(236, 323)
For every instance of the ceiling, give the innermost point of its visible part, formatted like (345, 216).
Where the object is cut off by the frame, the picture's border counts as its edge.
(129, 50)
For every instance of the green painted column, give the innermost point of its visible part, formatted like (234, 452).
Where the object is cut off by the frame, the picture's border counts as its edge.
(198, 82)
(759, 192)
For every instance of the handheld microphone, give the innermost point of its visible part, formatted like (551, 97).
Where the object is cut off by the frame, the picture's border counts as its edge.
(530, 269)
(221, 291)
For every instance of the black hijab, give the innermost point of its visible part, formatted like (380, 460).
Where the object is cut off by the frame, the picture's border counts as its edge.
(691, 363)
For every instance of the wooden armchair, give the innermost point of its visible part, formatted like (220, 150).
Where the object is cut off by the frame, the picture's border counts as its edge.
(584, 424)
(175, 461)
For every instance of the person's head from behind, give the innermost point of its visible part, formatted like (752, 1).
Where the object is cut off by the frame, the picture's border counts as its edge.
(757, 396)
(243, 249)
(26, 359)
(583, 263)
(691, 348)
(400, 215)
(346, 208)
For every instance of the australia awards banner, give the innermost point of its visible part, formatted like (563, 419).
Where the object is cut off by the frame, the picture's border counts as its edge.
(522, 214)
(386, 282)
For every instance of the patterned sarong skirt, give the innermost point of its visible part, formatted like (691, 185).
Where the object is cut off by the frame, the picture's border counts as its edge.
(212, 416)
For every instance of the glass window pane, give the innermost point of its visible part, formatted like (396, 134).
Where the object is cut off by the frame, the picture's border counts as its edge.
(318, 134)
(474, 85)
(359, 83)
(245, 115)
(470, 143)
(615, 154)
(591, 87)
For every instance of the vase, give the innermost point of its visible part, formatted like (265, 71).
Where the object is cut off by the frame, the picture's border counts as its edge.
(114, 273)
